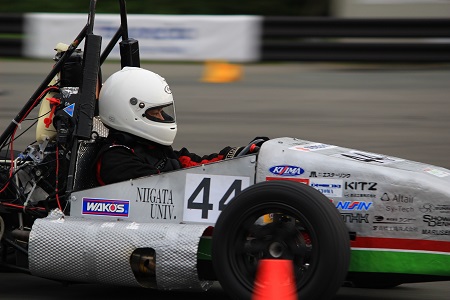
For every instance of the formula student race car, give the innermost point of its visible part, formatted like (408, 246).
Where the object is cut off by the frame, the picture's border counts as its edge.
(338, 214)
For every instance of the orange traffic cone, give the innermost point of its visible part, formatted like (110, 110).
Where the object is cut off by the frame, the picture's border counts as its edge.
(275, 280)
(221, 72)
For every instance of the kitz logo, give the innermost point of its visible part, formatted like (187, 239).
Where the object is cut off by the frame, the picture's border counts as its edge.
(105, 207)
(360, 185)
(287, 170)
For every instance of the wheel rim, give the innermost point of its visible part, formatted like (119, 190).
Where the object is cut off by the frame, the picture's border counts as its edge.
(288, 235)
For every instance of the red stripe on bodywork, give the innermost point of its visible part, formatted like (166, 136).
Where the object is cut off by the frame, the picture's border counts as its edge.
(402, 244)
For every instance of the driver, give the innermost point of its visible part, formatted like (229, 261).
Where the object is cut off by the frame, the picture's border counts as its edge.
(138, 108)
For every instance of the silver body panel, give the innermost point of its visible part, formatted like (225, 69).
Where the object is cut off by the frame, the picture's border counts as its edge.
(80, 250)
(95, 243)
(377, 196)
(164, 198)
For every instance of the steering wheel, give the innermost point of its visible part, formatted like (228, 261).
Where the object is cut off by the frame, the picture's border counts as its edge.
(250, 147)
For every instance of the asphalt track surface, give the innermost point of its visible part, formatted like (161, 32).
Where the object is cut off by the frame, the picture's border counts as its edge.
(399, 110)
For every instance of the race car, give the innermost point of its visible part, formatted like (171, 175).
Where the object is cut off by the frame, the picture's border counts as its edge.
(338, 215)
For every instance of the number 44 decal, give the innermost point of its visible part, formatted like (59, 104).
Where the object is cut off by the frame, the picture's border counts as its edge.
(207, 195)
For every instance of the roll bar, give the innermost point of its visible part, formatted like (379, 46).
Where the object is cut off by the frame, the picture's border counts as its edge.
(129, 52)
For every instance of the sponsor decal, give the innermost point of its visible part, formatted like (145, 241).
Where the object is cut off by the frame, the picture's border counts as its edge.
(286, 170)
(329, 174)
(440, 208)
(105, 207)
(400, 198)
(70, 109)
(427, 208)
(160, 202)
(435, 232)
(395, 228)
(351, 195)
(167, 89)
(301, 180)
(436, 172)
(328, 187)
(436, 221)
(355, 218)
(152, 195)
(312, 147)
(389, 220)
(368, 157)
(361, 186)
(353, 205)
(399, 208)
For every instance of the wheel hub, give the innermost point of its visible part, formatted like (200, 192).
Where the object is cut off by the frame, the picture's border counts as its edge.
(276, 249)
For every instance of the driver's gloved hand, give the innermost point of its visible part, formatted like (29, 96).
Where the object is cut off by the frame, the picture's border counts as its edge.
(253, 147)
(259, 140)
(233, 152)
(256, 144)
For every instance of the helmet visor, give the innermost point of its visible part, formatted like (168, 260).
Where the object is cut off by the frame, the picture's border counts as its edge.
(162, 113)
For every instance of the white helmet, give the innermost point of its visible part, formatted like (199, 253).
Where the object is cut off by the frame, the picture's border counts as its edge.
(127, 96)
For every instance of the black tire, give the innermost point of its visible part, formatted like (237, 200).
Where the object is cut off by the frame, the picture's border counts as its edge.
(306, 228)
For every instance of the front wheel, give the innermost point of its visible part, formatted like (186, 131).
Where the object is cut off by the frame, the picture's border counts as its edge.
(281, 220)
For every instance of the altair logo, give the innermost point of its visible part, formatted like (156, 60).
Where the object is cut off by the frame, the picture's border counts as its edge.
(105, 207)
(286, 170)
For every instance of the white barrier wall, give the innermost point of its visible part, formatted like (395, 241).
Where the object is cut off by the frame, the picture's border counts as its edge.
(390, 8)
(161, 37)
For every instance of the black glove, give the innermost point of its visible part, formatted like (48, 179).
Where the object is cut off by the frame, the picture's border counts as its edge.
(252, 147)
(233, 152)
(259, 140)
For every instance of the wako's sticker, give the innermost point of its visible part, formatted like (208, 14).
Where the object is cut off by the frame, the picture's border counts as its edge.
(105, 207)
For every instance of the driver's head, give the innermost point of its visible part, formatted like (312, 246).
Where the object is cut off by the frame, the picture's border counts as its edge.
(139, 102)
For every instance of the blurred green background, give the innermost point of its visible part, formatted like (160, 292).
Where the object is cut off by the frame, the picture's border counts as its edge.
(208, 7)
